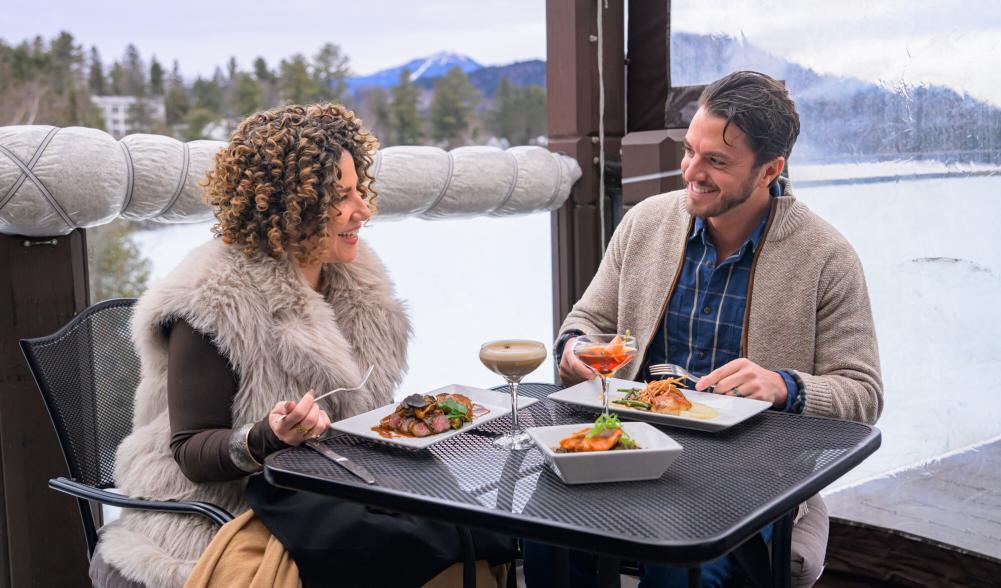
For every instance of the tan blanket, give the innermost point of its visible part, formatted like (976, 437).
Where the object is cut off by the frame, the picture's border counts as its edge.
(245, 553)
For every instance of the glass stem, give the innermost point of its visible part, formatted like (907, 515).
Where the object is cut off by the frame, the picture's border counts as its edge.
(515, 428)
(604, 393)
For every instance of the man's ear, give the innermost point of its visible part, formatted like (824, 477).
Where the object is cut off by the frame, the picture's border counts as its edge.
(772, 169)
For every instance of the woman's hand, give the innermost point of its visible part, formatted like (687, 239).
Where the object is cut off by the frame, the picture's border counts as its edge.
(301, 422)
(572, 370)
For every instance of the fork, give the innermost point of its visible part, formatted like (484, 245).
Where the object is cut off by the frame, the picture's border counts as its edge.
(669, 369)
(325, 394)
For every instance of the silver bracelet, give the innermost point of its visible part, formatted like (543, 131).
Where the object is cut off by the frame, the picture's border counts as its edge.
(239, 451)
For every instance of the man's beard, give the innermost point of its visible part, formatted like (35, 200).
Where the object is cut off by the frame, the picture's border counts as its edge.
(725, 202)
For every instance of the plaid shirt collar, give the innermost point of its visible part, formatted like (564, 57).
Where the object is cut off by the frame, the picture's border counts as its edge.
(753, 240)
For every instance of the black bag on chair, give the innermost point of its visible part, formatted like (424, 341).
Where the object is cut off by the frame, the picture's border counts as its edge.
(335, 542)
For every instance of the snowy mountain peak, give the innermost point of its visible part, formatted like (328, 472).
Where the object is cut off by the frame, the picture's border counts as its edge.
(432, 66)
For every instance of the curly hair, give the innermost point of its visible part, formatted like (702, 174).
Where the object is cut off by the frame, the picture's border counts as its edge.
(271, 187)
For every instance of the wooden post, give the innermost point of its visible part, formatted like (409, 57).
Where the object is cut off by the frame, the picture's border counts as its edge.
(572, 106)
(43, 284)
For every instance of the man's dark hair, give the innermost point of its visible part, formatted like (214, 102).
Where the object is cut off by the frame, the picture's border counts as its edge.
(760, 107)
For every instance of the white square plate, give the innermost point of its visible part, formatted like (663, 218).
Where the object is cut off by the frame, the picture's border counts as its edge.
(498, 403)
(732, 409)
(656, 452)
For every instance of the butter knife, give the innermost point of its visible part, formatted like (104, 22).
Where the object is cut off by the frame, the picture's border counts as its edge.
(356, 469)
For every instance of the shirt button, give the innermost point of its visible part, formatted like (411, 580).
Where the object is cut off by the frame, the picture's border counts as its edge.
(709, 264)
(707, 310)
(702, 354)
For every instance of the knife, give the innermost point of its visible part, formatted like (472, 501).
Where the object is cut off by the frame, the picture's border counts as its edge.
(356, 469)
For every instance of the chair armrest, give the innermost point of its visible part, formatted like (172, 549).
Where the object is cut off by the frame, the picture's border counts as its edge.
(215, 513)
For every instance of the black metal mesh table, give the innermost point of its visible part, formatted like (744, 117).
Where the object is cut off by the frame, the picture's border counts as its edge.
(724, 487)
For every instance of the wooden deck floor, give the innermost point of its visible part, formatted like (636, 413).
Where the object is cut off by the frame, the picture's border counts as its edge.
(935, 524)
(954, 500)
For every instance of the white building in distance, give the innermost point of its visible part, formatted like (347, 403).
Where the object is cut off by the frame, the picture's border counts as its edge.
(115, 110)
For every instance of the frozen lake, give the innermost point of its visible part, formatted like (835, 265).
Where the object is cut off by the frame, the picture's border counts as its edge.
(932, 256)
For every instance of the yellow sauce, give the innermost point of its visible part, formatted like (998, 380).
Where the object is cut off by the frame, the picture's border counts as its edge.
(700, 411)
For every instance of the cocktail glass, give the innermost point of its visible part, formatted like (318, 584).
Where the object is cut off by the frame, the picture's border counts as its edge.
(604, 354)
(513, 359)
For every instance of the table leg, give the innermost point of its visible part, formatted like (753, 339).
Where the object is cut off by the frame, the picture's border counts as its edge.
(608, 572)
(782, 551)
(694, 577)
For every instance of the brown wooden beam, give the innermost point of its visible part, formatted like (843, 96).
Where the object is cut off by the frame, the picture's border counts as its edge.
(43, 284)
(651, 162)
(572, 91)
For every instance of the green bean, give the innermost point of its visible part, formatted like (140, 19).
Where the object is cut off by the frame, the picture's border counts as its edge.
(633, 403)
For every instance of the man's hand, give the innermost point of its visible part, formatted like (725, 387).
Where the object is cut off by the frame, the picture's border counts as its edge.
(742, 377)
(572, 370)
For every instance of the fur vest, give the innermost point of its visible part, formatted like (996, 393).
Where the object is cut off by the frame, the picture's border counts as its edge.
(281, 339)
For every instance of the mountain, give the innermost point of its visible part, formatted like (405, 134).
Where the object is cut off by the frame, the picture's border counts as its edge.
(844, 118)
(423, 68)
(847, 118)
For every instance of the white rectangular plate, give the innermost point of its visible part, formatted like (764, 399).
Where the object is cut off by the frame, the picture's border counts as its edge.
(732, 410)
(498, 403)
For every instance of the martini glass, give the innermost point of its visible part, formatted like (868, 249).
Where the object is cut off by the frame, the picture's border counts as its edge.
(513, 359)
(604, 354)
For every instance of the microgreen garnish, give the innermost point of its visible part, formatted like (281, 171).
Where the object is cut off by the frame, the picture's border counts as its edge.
(453, 409)
(610, 421)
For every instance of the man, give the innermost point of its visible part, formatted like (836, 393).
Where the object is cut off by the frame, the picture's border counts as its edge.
(736, 281)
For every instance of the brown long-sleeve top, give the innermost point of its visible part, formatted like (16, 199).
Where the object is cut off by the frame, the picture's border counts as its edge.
(201, 386)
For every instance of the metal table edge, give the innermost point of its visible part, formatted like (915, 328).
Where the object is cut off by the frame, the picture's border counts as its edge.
(570, 536)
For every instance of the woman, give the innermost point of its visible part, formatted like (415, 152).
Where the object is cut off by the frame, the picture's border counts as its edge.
(285, 300)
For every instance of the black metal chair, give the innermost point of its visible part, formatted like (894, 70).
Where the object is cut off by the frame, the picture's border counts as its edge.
(87, 373)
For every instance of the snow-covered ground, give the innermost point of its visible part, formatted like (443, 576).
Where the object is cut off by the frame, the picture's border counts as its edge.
(465, 281)
(932, 256)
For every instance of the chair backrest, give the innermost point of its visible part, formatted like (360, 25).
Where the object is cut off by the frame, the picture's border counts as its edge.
(87, 373)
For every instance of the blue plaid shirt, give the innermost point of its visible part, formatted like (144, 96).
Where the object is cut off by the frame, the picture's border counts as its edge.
(704, 320)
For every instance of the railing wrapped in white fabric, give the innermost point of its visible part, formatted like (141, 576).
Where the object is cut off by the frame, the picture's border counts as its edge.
(53, 180)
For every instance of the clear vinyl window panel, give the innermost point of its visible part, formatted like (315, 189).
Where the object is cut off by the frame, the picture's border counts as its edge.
(465, 282)
(900, 149)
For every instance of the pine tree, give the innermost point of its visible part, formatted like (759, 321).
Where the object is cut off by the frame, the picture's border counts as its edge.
(175, 103)
(406, 121)
(375, 109)
(117, 81)
(452, 107)
(95, 76)
(135, 72)
(295, 84)
(502, 119)
(117, 267)
(518, 114)
(266, 82)
(208, 95)
(330, 73)
(247, 97)
(533, 108)
(156, 77)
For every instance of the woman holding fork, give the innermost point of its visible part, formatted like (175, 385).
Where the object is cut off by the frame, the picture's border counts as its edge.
(285, 299)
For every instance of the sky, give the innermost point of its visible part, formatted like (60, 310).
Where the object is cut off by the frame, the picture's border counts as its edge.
(375, 34)
(956, 43)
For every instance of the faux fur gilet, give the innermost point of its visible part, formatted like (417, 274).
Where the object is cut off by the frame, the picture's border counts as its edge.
(281, 339)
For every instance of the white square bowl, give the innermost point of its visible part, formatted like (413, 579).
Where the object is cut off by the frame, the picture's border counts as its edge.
(657, 451)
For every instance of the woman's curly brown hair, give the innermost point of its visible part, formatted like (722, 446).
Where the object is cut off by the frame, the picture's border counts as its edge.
(271, 186)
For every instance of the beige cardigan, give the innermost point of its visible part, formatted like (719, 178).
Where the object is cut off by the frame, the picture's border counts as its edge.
(807, 311)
